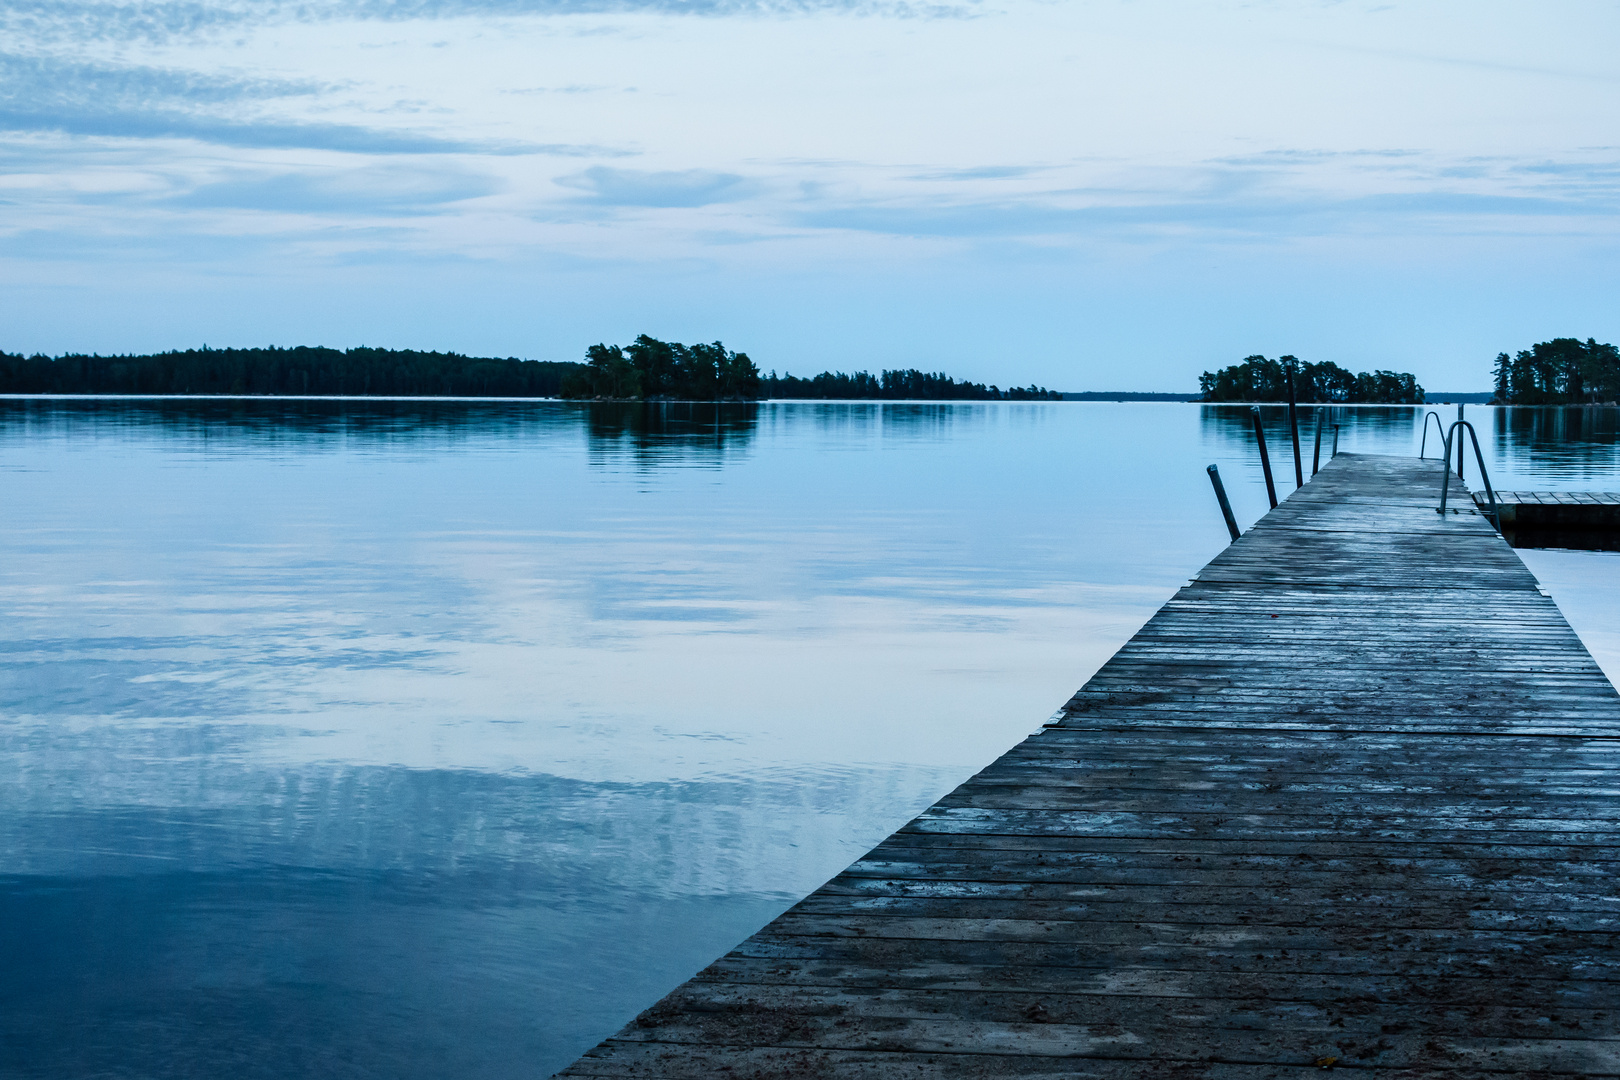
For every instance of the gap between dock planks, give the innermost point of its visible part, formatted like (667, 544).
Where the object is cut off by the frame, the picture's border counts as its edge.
(1350, 799)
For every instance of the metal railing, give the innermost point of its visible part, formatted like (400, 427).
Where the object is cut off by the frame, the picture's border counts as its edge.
(1479, 457)
(1439, 425)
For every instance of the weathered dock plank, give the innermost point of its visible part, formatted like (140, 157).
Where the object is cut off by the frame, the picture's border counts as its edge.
(1350, 799)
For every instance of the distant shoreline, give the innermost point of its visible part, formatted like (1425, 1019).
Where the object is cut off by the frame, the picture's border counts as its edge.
(1124, 397)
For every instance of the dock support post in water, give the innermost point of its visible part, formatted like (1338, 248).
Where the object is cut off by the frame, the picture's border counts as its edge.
(1459, 444)
(1265, 458)
(1316, 454)
(1293, 429)
(1226, 507)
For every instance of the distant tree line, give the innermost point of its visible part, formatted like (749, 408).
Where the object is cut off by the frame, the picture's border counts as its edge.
(652, 369)
(1563, 371)
(295, 371)
(1260, 379)
(907, 384)
(647, 369)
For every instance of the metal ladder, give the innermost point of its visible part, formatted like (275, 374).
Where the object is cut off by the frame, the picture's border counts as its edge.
(1445, 463)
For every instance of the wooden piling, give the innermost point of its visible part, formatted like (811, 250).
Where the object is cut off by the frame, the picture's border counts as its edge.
(1265, 456)
(1293, 430)
(1225, 503)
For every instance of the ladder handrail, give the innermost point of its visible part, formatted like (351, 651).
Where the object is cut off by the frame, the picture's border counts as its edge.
(1439, 425)
(1445, 485)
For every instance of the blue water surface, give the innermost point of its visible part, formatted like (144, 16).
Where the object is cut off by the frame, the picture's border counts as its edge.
(438, 738)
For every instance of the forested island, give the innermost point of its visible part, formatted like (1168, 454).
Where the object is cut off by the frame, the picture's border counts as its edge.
(1563, 371)
(1260, 379)
(651, 369)
(647, 369)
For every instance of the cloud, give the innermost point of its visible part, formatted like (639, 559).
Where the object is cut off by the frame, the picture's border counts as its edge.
(52, 21)
(164, 21)
(574, 89)
(1314, 157)
(630, 187)
(249, 135)
(1275, 194)
(1456, 204)
(1574, 175)
(983, 172)
(49, 81)
(40, 94)
(1297, 215)
(1557, 71)
(377, 190)
(1587, 178)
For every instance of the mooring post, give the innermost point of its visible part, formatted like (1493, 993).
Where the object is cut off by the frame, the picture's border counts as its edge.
(1459, 443)
(1445, 467)
(1265, 458)
(1316, 454)
(1293, 427)
(1226, 507)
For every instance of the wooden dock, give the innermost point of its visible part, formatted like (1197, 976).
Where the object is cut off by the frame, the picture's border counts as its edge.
(1555, 507)
(1570, 519)
(1351, 799)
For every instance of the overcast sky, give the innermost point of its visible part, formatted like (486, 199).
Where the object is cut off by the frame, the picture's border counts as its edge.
(1087, 195)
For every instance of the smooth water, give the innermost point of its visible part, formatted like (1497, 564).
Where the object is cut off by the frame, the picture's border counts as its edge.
(428, 739)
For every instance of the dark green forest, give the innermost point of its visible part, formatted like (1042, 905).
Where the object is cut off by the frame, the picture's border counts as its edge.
(1563, 371)
(1260, 379)
(652, 369)
(647, 369)
(908, 384)
(295, 371)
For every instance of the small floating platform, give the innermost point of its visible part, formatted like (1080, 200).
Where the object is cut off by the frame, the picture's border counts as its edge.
(1587, 520)
(1350, 799)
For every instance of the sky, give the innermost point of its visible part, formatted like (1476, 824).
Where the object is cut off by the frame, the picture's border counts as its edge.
(1085, 195)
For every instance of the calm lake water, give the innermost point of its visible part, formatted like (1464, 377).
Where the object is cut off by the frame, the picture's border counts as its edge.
(431, 739)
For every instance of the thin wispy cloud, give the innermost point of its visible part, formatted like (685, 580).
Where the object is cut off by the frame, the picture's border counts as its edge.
(1275, 220)
(50, 94)
(688, 188)
(1278, 196)
(1298, 156)
(375, 191)
(980, 172)
(171, 21)
(1575, 72)
(56, 82)
(161, 124)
